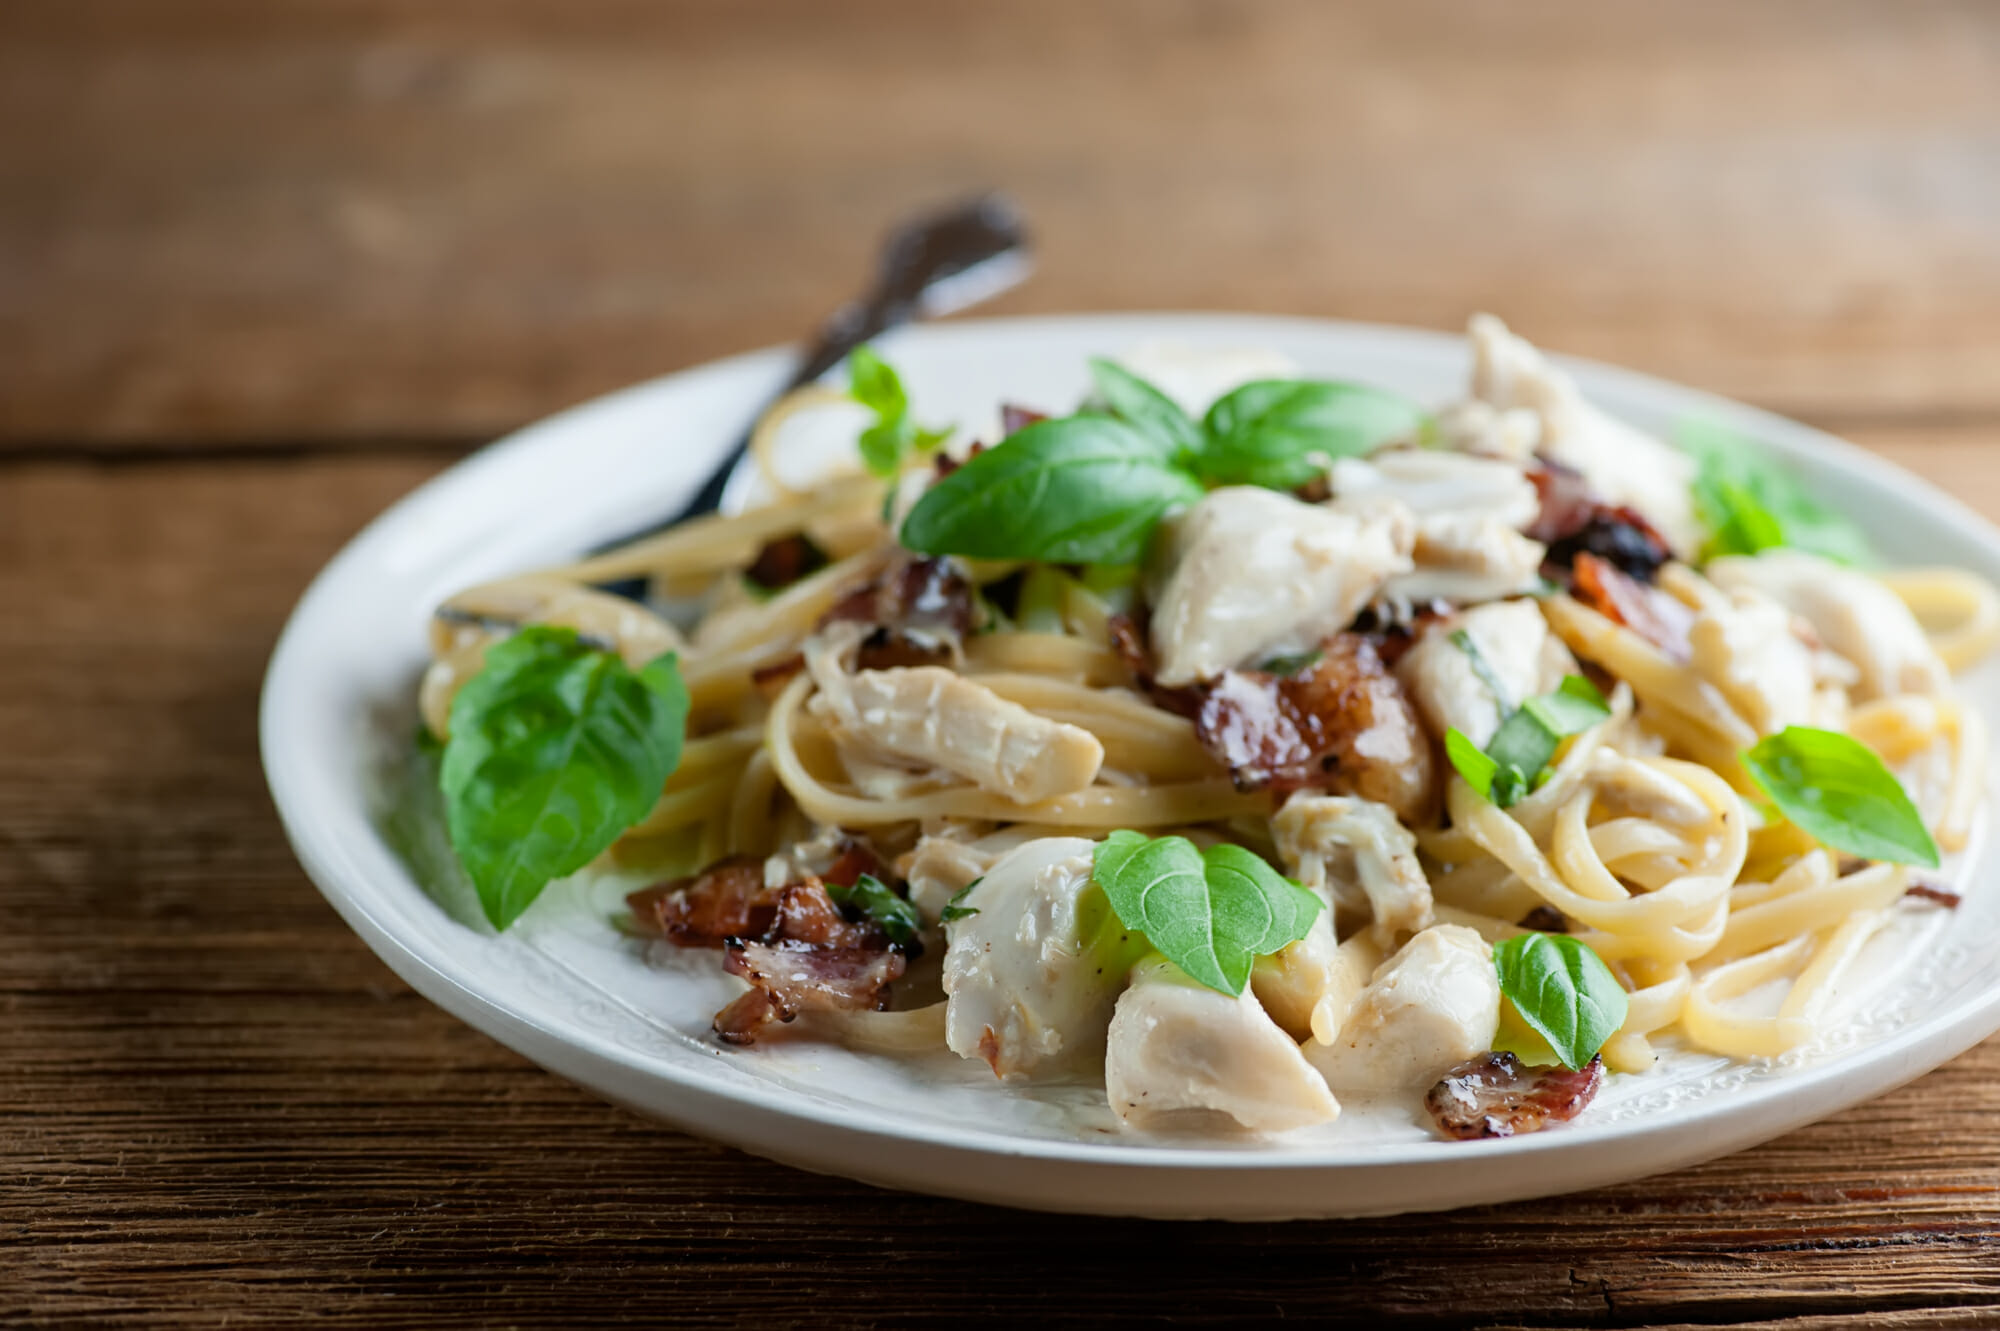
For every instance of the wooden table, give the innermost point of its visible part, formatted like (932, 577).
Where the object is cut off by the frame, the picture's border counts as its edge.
(263, 267)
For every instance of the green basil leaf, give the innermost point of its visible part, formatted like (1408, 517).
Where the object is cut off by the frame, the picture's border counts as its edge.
(556, 749)
(1293, 663)
(1835, 789)
(1563, 990)
(1525, 745)
(1483, 669)
(879, 902)
(1078, 490)
(1471, 761)
(1146, 409)
(1279, 432)
(955, 909)
(1750, 502)
(1211, 913)
(874, 383)
(1573, 708)
(885, 444)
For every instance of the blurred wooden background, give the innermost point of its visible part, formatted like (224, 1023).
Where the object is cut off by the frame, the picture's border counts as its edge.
(266, 264)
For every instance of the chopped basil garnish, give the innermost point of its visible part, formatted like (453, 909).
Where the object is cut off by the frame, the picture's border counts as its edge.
(875, 899)
(874, 383)
(1563, 990)
(1836, 790)
(556, 749)
(954, 909)
(1212, 913)
(1517, 758)
(1484, 669)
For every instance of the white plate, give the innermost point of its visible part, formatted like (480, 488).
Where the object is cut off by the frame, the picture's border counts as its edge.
(565, 990)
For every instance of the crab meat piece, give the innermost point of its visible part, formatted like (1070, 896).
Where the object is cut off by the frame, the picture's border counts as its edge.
(939, 868)
(1248, 573)
(931, 717)
(1030, 979)
(1514, 642)
(1359, 852)
(1853, 614)
(1180, 1053)
(1745, 644)
(1430, 1007)
(1622, 464)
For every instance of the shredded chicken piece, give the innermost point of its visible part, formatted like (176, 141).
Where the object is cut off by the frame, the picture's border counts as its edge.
(1432, 1005)
(1514, 647)
(1361, 853)
(932, 717)
(1493, 1095)
(1180, 1053)
(1853, 614)
(1248, 573)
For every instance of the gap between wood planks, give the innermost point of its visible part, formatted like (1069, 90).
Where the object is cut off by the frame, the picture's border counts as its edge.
(1887, 429)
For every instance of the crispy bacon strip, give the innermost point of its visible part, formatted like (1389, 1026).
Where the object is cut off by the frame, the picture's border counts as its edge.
(784, 560)
(1014, 419)
(1942, 896)
(919, 608)
(1344, 723)
(723, 901)
(1545, 920)
(1622, 599)
(1495, 1096)
(1128, 641)
(1574, 521)
(812, 958)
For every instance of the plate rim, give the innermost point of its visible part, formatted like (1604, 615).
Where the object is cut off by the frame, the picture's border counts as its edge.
(608, 1068)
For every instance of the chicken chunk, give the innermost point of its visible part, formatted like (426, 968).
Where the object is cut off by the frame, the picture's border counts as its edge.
(1181, 1053)
(464, 627)
(1853, 614)
(1248, 573)
(1434, 483)
(1514, 642)
(1622, 464)
(1428, 1008)
(1360, 853)
(1030, 979)
(934, 717)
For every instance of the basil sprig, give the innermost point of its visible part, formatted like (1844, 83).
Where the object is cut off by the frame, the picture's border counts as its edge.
(1078, 490)
(1279, 433)
(956, 909)
(874, 383)
(1836, 790)
(1088, 488)
(1513, 763)
(1212, 913)
(1563, 990)
(1750, 503)
(556, 749)
(893, 914)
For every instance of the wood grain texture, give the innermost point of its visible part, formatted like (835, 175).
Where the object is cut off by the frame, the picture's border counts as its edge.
(341, 219)
(217, 1103)
(263, 267)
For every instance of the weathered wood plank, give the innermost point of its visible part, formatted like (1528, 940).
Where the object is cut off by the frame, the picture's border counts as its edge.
(217, 1103)
(225, 220)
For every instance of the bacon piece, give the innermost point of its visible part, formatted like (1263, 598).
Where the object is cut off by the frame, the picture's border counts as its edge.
(1495, 1096)
(944, 464)
(1128, 642)
(784, 560)
(1622, 599)
(886, 649)
(1545, 920)
(770, 680)
(925, 599)
(811, 958)
(725, 900)
(1343, 723)
(1014, 419)
(1926, 891)
(1574, 521)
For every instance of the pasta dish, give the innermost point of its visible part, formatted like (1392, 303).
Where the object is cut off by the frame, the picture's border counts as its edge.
(1245, 739)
